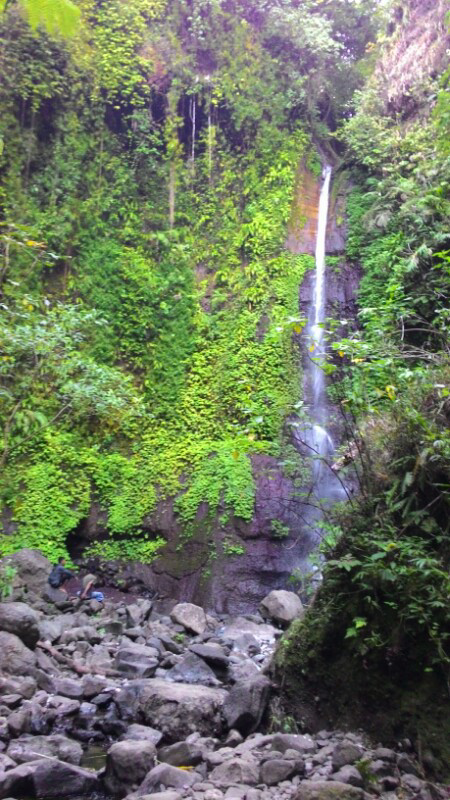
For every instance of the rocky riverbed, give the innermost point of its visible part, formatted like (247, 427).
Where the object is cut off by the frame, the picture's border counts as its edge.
(174, 702)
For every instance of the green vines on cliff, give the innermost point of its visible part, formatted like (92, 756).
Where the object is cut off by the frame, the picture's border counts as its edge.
(186, 367)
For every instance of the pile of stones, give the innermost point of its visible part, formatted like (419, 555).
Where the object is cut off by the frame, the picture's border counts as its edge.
(177, 699)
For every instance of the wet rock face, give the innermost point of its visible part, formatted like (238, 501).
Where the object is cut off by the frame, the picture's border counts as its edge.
(228, 584)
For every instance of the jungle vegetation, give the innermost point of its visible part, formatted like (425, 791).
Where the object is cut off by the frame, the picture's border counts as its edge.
(148, 154)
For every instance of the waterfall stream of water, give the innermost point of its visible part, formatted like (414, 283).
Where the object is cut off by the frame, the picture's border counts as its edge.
(326, 488)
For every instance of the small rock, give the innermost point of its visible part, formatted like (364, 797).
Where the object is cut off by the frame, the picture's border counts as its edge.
(233, 739)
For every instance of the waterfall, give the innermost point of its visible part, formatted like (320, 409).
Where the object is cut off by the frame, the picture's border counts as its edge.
(314, 440)
(317, 314)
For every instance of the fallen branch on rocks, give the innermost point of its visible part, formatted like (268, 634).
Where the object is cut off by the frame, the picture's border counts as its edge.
(80, 669)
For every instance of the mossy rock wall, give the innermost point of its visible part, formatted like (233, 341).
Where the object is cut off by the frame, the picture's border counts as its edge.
(324, 683)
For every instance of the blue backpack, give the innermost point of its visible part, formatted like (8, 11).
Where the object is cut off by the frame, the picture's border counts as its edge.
(54, 578)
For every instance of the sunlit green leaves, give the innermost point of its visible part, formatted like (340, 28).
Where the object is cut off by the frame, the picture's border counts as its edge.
(56, 16)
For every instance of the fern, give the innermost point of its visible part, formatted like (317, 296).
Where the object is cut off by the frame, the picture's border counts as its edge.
(57, 16)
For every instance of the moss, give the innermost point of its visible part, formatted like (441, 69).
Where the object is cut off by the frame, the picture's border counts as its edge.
(390, 701)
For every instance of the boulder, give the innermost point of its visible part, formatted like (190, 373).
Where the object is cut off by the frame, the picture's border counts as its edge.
(181, 754)
(348, 774)
(53, 778)
(345, 753)
(282, 607)
(191, 617)
(176, 709)
(6, 763)
(142, 733)
(51, 628)
(15, 657)
(169, 795)
(192, 669)
(25, 687)
(48, 778)
(20, 619)
(235, 770)
(327, 790)
(262, 632)
(29, 748)
(246, 702)
(164, 776)
(127, 764)
(213, 654)
(69, 687)
(32, 569)
(275, 770)
(137, 613)
(83, 633)
(137, 660)
(302, 743)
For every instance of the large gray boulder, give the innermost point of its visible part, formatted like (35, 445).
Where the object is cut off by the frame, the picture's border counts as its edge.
(127, 764)
(15, 657)
(190, 616)
(282, 607)
(181, 754)
(25, 687)
(213, 654)
(192, 669)
(345, 753)
(48, 778)
(275, 770)
(32, 569)
(235, 771)
(137, 660)
(29, 748)
(175, 709)
(20, 619)
(246, 702)
(327, 790)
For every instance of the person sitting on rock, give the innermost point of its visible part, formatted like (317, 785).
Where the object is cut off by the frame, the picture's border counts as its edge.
(60, 575)
(88, 592)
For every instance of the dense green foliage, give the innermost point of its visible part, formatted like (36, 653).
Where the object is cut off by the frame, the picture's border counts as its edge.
(147, 172)
(383, 607)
